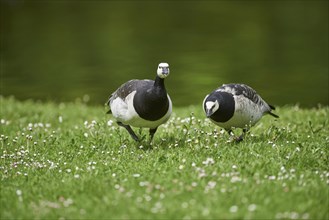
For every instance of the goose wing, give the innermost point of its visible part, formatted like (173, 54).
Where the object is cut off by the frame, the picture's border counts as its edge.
(125, 89)
(242, 89)
(249, 93)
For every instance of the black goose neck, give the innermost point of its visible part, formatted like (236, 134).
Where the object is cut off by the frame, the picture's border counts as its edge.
(159, 82)
(152, 103)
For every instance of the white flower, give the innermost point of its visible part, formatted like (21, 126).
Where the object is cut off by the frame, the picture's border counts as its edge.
(234, 208)
(208, 161)
(109, 123)
(252, 207)
(272, 177)
(18, 192)
(235, 179)
(211, 184)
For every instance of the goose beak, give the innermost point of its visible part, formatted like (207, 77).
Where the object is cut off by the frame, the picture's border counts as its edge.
(208, 113)
(165, 70)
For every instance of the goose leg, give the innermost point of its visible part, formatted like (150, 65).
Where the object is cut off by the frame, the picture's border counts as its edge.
(152, 132)
(230, 132)
(128, 128)
(240, 138)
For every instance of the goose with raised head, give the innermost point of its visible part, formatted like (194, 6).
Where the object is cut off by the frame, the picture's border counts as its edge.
(142, 103)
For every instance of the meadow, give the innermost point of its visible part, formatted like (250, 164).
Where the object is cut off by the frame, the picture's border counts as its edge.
(71, 161)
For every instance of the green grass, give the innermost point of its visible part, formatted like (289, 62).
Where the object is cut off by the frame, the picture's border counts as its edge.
(71, 160)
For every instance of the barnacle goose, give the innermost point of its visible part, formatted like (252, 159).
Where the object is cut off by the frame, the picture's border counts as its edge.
(236, 106)
(142, 103)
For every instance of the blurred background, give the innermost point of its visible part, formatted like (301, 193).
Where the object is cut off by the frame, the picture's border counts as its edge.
(69, 50)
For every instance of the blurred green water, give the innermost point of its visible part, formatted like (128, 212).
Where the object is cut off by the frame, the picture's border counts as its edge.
(63, 50)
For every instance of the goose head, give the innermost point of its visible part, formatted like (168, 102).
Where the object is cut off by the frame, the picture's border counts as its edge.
(163, 70)
(211, 107)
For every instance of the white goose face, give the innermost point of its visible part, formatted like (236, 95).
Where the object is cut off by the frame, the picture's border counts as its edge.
(163, 70)
(211, 107)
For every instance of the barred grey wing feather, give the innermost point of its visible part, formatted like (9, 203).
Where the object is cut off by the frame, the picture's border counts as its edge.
(246, 91)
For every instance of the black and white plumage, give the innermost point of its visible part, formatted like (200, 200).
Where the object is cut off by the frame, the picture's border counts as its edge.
(142, 103)
(236, 106)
